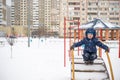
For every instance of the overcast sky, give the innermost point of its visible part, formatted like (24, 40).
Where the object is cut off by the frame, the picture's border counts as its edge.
(8, 2)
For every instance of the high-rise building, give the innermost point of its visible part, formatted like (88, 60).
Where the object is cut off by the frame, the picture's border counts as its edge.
(2, 12)
(87, 10)
(47, 15)
(55, 16)
(50, 13)
(35, 14)
(19, 12)
(63, 13)
(107, 10)
(8, 15)
(41, 13)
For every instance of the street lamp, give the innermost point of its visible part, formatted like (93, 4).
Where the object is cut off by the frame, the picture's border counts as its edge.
(28, 21)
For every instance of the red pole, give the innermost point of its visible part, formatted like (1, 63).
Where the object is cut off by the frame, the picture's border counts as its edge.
(101, 34)
(78, 36)
(119, 46)
(101, 39)
(70, 41)
(64, 42)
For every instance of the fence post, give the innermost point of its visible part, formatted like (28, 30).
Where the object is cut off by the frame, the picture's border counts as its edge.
(119, 46)
(70, 42)
(64, 42)
(78, 35)
(100, 50)
(74, 36)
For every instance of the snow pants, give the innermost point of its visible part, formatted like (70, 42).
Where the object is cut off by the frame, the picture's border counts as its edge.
(87, 56)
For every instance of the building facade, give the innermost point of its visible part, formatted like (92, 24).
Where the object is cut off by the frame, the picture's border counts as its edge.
(3, 13)
(50, 14)
(88, 10)
(8, 11)
(40, 13)
(19, 13)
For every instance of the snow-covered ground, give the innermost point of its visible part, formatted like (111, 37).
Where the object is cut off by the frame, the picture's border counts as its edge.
(43, 60)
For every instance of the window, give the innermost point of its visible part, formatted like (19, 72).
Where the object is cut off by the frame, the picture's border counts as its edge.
(74, 3)
(116, 13)
(89, 8)
(113, 18)
(83, 9)
(111, 13)
(92, 13)
(76, 18)
(76, 13)
(76, 8)
(103, 13)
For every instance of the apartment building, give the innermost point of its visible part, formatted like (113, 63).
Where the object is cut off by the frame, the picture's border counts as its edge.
(63, 13)
(41, 13)
(35, 14)
(8, 11)
(55, 16)
(19, 12)
(107, 10)
(47, 15)
(50, 13)
(87, 10)
(51, 18)
(3, 13)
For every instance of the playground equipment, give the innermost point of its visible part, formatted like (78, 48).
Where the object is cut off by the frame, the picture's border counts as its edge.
(80, 71)
(119, 48)
(96, 71)
(78, 33)
(65, 35)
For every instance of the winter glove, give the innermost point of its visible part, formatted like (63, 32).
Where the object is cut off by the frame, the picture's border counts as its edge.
(72, 47)
(107, 50)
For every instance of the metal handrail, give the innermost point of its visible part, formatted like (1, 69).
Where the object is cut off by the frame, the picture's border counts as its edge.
(72, 56)
(110, 65)
(73, 66)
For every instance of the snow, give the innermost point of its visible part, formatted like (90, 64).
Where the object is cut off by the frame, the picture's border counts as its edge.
(99, 24)
(43, 60)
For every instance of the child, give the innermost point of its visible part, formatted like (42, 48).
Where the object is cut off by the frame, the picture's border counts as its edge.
(90, 42)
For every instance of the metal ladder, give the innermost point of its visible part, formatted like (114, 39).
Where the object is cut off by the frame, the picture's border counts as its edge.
(96, 71)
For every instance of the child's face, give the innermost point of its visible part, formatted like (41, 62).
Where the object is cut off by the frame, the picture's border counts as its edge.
(90, 36)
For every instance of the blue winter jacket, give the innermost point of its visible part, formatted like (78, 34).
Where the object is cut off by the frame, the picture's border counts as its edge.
(90, 44)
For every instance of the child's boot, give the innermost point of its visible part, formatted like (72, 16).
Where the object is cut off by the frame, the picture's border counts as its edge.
(87, 62)
(91, 62)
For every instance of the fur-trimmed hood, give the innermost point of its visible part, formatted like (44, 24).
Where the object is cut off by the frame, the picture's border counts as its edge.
(92, 31)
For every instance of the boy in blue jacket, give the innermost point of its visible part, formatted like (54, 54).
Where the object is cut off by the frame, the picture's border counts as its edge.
(90, 42)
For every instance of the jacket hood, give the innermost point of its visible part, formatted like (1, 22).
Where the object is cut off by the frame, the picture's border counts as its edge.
(92, 31)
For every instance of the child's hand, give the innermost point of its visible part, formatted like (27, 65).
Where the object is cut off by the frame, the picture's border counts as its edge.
(108, 50)
(71, 47)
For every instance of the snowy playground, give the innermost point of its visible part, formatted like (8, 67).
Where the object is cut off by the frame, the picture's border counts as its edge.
(44, 59)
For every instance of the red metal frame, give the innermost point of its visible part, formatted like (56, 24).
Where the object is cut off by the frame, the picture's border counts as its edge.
(119, 48)
(64, 41)
(65, 37)
(70, 41)
(78, 36)
(100, 39)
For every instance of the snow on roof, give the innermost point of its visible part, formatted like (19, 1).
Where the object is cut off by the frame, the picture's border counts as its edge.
(98, 23)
